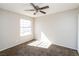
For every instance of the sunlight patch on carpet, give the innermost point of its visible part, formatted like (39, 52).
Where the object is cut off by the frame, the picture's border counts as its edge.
(43, 42)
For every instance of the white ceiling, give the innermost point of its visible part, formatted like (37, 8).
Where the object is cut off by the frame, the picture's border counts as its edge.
(53, 8)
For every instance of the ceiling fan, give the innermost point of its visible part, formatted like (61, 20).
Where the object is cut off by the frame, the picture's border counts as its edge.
(37, 9)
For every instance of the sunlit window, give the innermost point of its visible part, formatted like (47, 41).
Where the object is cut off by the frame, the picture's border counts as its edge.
(25, 27)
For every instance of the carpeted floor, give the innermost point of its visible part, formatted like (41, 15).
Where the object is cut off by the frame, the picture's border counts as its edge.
(27, 50)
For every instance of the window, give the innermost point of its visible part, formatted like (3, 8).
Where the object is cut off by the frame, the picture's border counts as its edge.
(25, 27)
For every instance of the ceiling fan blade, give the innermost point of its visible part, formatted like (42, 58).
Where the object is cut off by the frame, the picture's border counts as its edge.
(33, 6)
(45, 7)
(30, 10)
(43, 12)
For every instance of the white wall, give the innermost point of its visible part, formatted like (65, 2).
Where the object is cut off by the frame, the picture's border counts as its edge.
(78, 33)
(59, 28)
(10, 29)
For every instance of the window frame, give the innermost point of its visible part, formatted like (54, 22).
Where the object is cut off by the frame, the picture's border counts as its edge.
(26, 29)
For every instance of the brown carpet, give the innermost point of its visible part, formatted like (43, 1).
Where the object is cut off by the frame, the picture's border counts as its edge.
(27, 50)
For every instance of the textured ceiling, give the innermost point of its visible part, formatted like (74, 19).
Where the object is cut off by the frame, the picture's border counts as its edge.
(53, 8)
